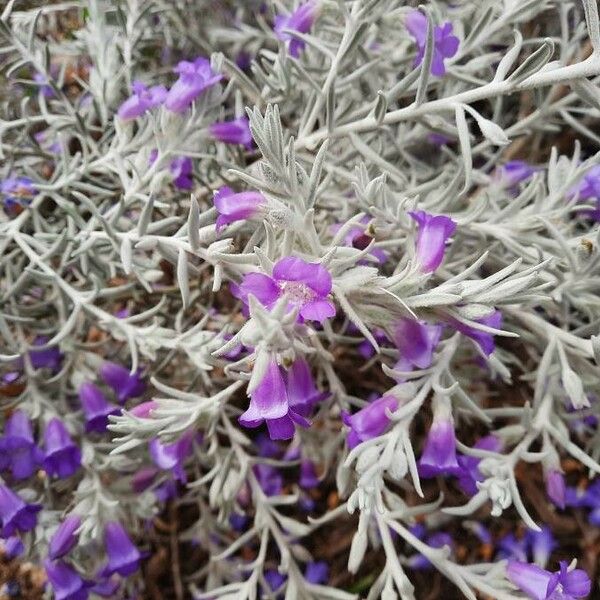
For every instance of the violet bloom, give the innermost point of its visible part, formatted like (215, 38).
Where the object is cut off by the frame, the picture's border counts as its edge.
(539, 584)
(308, 475)
(194, 78)
(64, 538)
(44, 87)
(15, 514)
(125, 384)
(370, 421)
(555, 487)
(62, 456)
(514, 172)
(236, 131)
(512, 548)
(366, 349)
(317, 572)
(181, 169)
(232, 206)
(17, 192)
(439, 539)
(416, 341)
(306, 286)
(541, 544)
(18, 446)
(45, 358)
(470, 473)
(439, 454)
(269, 402)
(445, 45)
(589, 189)
(484, 339)
(275, 579)
(66, 582)
(95, 407)
(590, 498)
(123, 556)
(301, 20)
(357, 237)
(171, 457)
(12, 547)
(142, 100)
(433, 233)
(269, 478)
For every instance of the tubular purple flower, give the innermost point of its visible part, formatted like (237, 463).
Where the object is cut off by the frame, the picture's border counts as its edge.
(540, 584)
(171, 457)
(317, 572)
(142, 100)
(12, 547)
(236, 131)
(370, 421)
(123, 556)
(124, 384)
(269, 479)
(95, 407)
(15, 514)
(237, 207)
(181, 169)
(194, 78)
(356, 237)
(484, 339)
(62, 457)
(305, 284)
(439, 454)
(542, 543)
(64, 538)
(66, 582)
(470, 474)
(514, 172)
(433, 233)
(445, 44)
(45, 358)
(18, 446)
(308, 475)
(555, 487)
(416, 341)
(301, 20)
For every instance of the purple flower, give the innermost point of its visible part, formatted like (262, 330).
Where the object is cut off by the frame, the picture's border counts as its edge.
(317, 572)
(540, 584)
(15, 514)
(233, 132)
(305, 284)
(541, 543)
(484, 339)
(439, 455)
(308, 475)
(370, 421)
(416, 341)
(124, 384)
(555, 487)
(237, 207)
(301, 20)
(45, 88)
(123, 556)
(182, 168)
(45, 358)
(357, 237)
(18, 446)
(438, 539)
(512, 548)
(514, 172)
(12, 547)
(438, 139)
(366, 349)
(269, 478)
(470, 473)
(107, 588)
(142, 100)
(62, 456)
(194, 78)
(434, 231)
(589, 189)
(445, 45)
(269, 402)
(17, 192)
(171, 457)
(95, 407)
(267, 447)
(590, 498)
(66, 582)
(64, 537)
